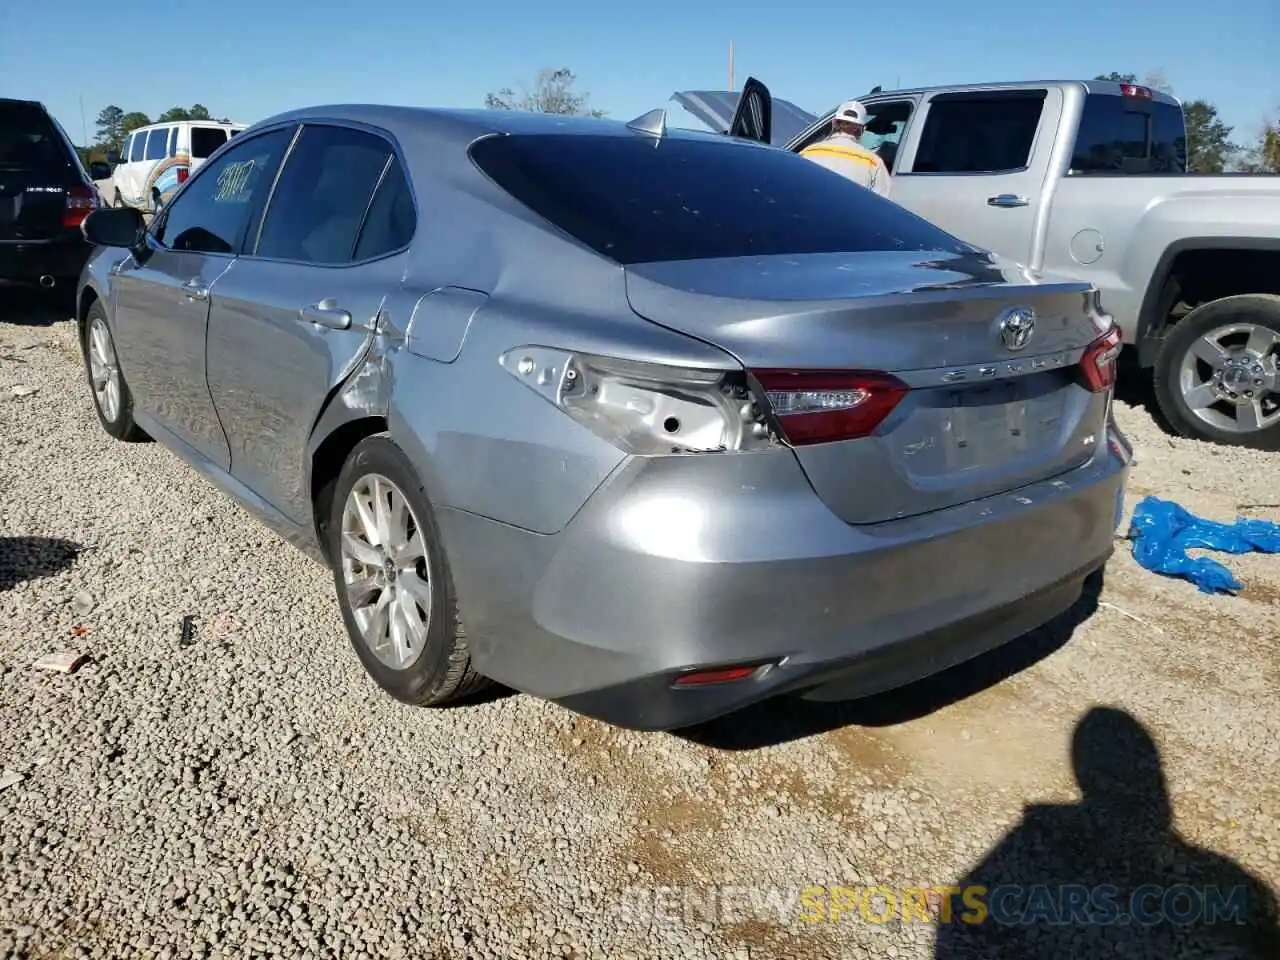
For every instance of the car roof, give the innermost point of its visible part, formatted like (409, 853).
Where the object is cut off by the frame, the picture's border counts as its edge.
(475, 122)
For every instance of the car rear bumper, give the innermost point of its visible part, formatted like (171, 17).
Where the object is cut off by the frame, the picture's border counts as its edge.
(693, 563)
(62, 257)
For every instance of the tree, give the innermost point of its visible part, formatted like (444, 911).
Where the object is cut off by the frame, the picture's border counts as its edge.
(110, 126)
(1209, 146)
(552, 93)
(197, 112)
(1264, 156)
(1156, 80)
(133, 120)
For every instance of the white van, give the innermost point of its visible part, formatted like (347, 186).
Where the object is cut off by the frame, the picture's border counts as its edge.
(157, 158)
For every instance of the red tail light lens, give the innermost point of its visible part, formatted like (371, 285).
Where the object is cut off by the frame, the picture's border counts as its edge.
(183, 173)
(80, 203)
(1133, 90)
(1098, 365)
(820, 406)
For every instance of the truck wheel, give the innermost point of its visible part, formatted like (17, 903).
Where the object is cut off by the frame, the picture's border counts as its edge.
(1217, 376)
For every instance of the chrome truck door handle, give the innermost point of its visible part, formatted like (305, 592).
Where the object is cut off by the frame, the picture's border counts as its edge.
(1007, 200)
(327, 314)
(195, 290)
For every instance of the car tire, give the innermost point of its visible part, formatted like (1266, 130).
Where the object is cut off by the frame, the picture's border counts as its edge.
(427, 667)
(1238, 326)
(112, 399)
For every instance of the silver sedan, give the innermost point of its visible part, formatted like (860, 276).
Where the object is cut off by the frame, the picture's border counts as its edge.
(654, 424)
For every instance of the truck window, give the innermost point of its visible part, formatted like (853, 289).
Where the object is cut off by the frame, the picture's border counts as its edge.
(1122, 135)
(983, 132)
(136, 146)
(205, 140)
(157, 142)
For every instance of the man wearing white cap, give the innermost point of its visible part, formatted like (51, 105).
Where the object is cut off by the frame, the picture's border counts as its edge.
(843, 153)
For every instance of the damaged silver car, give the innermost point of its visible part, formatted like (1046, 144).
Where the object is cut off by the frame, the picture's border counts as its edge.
(654, 424)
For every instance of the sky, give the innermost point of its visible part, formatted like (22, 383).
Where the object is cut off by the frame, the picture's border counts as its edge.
(249, 60)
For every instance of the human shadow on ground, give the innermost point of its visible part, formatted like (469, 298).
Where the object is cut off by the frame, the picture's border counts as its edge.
(1110, 875)
(29, 558)
(786, 718)
(30, 306)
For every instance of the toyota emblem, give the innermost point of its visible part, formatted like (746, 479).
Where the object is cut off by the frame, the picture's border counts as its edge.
(1016, 327)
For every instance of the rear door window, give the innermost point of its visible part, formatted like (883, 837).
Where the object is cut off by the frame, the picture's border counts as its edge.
(137, 147)
(157, 144)
(637, 200)
(982, 132)
(324, 192)
(1124, 135)
(390, 223)
(205, 140)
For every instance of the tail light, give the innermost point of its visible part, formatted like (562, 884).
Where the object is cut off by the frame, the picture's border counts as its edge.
(183, 173)
(1098, 364)
(80, 203)
(1133, 90)
(819, 406)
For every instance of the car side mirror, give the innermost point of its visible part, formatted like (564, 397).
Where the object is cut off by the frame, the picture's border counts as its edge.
(99, 170)
(113, 158)
(114, 227)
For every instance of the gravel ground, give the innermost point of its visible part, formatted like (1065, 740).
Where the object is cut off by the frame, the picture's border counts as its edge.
(252, 794)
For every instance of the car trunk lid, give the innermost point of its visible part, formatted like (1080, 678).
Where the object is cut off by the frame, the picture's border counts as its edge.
(979, 418)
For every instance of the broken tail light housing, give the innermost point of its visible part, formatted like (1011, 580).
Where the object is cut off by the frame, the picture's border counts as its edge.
(645, 408)
(80, 203)
(1100, 360)
(822, 406)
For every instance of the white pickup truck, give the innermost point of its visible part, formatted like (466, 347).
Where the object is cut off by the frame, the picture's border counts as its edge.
(1087, 180)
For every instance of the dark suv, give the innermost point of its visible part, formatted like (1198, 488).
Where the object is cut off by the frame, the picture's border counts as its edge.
(45, 194)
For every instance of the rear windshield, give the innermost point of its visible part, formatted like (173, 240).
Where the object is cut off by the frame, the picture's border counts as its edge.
(1119, 135)
(635, 201)
(28, 139)
(205, 140)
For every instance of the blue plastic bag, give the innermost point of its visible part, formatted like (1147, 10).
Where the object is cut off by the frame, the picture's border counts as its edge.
(1162, 532)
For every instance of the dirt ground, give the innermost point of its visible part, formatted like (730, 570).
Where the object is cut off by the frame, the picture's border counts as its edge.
(255, 795)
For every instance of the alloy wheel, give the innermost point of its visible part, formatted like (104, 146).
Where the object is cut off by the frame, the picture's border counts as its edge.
(104, 372)
(1230, 378)
(386, 571)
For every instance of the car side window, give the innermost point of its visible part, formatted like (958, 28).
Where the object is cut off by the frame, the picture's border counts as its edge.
(157, 141)
(323, 194)
(982, 132)
(137, 145)
(211, 213)
(173, 142)
(391, 220)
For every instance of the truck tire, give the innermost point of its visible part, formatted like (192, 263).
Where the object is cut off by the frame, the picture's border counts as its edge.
(1217, 375)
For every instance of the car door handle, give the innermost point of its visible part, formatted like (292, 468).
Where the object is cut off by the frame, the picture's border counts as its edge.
(195, 290)
(328, 314)
(1007, 200)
